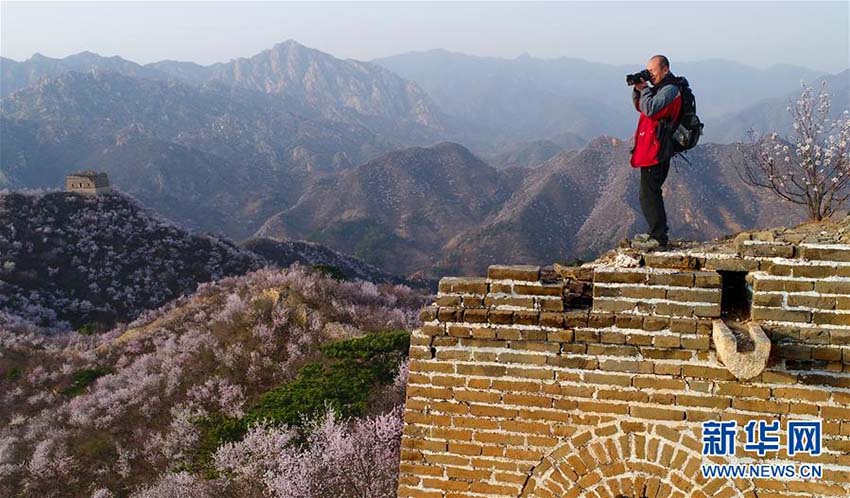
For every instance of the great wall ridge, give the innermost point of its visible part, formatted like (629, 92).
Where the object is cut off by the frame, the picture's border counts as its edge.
(594, 381)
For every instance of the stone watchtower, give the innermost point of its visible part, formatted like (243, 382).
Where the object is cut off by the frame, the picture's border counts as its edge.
(87, 182)
(595, 382)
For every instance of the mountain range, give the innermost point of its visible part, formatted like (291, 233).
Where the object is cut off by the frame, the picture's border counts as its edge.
(420, 163)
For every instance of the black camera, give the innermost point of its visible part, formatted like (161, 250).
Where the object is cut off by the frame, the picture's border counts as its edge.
(633, 79)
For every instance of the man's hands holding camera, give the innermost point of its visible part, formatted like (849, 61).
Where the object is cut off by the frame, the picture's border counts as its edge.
(640, 86)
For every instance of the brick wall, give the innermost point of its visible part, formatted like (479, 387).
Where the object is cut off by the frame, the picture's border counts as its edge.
(512, 393)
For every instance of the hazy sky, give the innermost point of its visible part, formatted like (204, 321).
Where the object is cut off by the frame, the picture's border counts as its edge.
(812, 34)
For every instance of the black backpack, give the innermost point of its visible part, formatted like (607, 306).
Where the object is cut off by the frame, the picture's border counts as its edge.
(689, 129)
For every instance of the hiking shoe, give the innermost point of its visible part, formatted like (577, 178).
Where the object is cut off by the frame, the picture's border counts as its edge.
(648, 244)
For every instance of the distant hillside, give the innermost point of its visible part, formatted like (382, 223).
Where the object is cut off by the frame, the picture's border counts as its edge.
(283, 253)
(15, 75)
(772, 115)
(527, 154)
(396, 211)
(98, 259)
(349, 90)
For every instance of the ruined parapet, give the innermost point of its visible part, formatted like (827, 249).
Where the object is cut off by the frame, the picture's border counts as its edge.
(87, 182)
(515, 389)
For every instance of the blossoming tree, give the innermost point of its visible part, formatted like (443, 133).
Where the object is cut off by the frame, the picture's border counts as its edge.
(810, 168)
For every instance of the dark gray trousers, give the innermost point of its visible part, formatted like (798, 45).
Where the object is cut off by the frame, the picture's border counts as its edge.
(651, 201)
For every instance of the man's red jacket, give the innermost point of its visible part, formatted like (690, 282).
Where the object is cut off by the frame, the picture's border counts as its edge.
(656, 105)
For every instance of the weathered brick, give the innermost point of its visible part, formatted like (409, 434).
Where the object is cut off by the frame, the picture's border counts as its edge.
(656, 413)
(460, 330)
(793, 393)
(506, 333)
(527, 400)
(528, 273)
(547, 304)
(608, 379)
(644, 292)
(448, 300)
(760, 406)
(600, 320)
(481, 370)
(450, 314)
(828, 318)
(467, 285)
(531, 373)
(428, 313)
(666, 354)
(694, 295)
(683, 325)
(666, 260)
(838, 337)
(604, 291)
(432, 330)
(601, 407)
(825, 253)
(780, 315)
(767, 250)
(473, 301)
(611, 350)
(501, 287)
(674, 309)
(667, 341)
(815, 271)
(703, 401)
(655, 323)
(701, 343)
(775, 285)
(532, 334)
(551, 319)
(658, 383)
(576, 318)
(540, 290)
(526, 317)
(500, 316)
(477, 315)
(628, 321)
(731, 264)
(678, 279)
(742, 390)
(705, 372)
(633, 366)
(619, 277)
(521, 302)
(612, 305)
(707, 279)
(822, 302)
(560, 336)
(794, 351)
(768, 300)
(707, 310)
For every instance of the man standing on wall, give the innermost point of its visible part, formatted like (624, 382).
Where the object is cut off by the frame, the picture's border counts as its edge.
(659, 107)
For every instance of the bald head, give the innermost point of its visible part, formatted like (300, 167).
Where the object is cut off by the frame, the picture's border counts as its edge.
(658, 66)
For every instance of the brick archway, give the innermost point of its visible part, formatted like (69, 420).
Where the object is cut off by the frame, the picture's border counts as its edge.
(627, 459)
